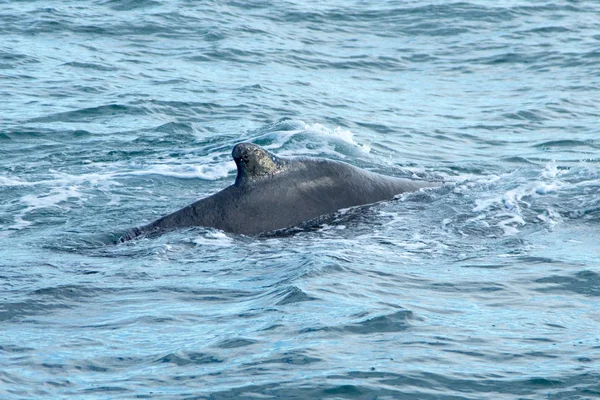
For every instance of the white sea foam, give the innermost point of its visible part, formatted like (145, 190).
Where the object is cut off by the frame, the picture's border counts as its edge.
(206, 172)
(61, 179)
(19, 224)
(508, 206)
(216, 238)
(8, 182)
(510, 222)
(52, 199)
(550, 218)
(320, 131)
(61, 188)
(340, 133)
(344, 134)
(550, 171)
(54, 192)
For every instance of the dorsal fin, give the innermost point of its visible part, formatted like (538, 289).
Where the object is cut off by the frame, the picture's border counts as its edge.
(253, 162)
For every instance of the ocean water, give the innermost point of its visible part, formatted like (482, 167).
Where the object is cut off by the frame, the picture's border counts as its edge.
(114, 113)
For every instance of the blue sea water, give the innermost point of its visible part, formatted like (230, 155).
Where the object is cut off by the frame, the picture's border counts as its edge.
(114, 113)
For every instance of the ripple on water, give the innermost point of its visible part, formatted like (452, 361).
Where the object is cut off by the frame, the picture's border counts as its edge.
(44, 301)
(187, 358)
(395, 322)
(585, 283)
(418, 385)
(294, 295)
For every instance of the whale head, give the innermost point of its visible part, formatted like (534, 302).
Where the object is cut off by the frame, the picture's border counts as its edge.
(255, 163)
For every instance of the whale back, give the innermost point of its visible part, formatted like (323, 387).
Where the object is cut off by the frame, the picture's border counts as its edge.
(302, 189)
(272, 193)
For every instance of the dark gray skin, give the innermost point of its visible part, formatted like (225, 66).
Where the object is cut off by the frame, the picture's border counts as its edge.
(272, 193)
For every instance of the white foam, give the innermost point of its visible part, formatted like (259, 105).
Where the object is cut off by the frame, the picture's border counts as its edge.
(19, 223)
(543, 188)
(551, 218)
(550, 171)
(51, 199)
(344, 134)
(61, 187)
(340, 133)
(509, 225)
(63, 179)
(319, 130)
(205, 172)
(215, 238)
(52, 193)
(8, 182)
(508, 206)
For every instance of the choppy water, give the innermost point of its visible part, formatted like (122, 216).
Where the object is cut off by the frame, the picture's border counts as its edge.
(117, 112)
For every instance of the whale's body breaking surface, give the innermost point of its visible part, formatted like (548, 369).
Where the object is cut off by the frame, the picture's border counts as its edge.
(272, 193)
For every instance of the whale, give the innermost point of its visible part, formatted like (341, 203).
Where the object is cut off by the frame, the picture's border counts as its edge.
(273, 193)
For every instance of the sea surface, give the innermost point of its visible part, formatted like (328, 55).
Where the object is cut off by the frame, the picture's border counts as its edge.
(113, 113)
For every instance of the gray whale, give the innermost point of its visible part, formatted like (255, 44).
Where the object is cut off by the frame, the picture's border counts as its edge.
(272, 193)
